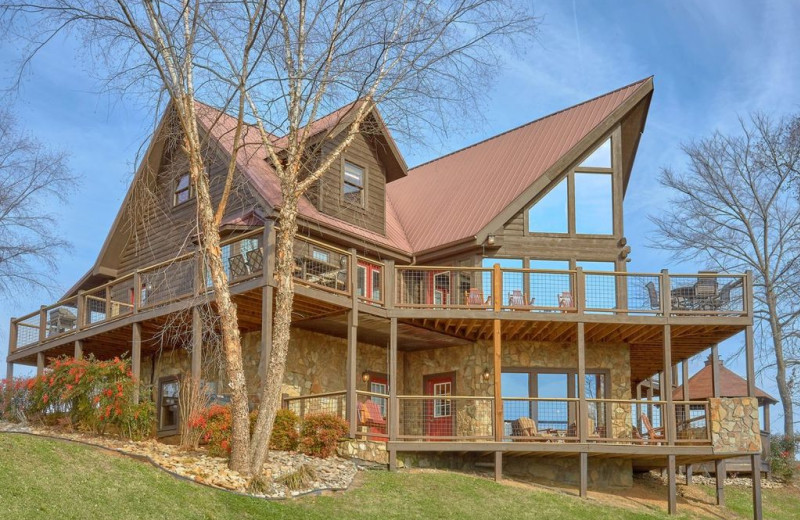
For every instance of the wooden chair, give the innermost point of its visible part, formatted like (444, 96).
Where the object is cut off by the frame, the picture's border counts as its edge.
(652, 433)
(565, 300)
(526, 427)
(238, 267)
(370, 418)
(516, 299)
(475, 297)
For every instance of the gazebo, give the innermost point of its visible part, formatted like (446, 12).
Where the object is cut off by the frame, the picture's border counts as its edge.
(731, 384)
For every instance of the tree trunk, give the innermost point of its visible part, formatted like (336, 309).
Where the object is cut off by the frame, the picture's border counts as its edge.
(780, 366)
(271, 386)
(229, 322)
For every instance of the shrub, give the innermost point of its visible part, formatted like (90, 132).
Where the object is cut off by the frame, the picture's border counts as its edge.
(94, 395)
(782, 464)
(214, 424)
(321, 433)
(284, 431)
(15, 399)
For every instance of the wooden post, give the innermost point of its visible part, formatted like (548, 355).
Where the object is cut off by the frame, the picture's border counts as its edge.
(136, 359)
(137, 291)
(755, 459)
(394, 408)
(389, 285)
(197, 346)
(81, 310)
(584, 481)
(498, 466)
(39, 364)
(583, 406)
(686, 410)
(13, 328)
(9, 371)
(352, 349)
(665, 387)
(497, 300)
(580, 290)
(42, 323)
(719, 465)
(672, 501)
(78, 349)
(666, 295)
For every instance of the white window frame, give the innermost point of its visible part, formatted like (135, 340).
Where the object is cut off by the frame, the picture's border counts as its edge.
(355, 188)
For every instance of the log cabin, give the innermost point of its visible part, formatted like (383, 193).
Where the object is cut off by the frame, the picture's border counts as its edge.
(475, 310)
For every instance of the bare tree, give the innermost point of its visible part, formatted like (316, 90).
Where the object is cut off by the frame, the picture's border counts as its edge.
(31, 178)
(736, 207)
(282, 64)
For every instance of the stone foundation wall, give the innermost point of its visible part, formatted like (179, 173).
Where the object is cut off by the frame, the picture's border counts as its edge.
(734, 425)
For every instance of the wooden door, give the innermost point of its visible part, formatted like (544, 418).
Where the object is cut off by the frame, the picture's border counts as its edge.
(440, 411)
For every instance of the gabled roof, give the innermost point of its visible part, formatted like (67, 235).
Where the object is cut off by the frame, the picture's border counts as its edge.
(456, 196)
(731, 384)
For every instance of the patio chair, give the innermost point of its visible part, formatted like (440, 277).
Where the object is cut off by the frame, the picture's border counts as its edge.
(652, 433)
(516, 299)
(475, 297)
(370, 418)
(652, 294)
(255, 260)
(565, 300)
(238, 267)
(526, 427)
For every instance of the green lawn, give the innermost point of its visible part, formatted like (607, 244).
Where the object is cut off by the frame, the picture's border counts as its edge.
(41, 478)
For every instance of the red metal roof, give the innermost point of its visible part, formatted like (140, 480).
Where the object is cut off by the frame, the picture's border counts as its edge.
(731, 384)
(455, 196)
(450, 198)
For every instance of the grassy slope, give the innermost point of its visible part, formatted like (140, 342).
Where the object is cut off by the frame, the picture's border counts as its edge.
(42, 478)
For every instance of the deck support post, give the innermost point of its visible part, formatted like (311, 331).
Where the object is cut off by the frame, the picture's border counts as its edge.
(719, 465)
(394, 409)
(39, 364)
(352, 348)
(755, 459)
(672, 501)
(498, 466)
(197, 345)
(583, 408)
(665, 388)
(136, 359)
(497, 355)
(686, 410)
(584, 481)
(78, 349)
(9, 371)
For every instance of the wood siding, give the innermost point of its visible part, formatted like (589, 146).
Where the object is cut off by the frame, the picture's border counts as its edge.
(158, 230)
(361, 152)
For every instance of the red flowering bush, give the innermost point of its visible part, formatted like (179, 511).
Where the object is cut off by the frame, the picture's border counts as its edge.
(15, 399)
(783, 465)
(94, 395)
(214, 424)
(321, 433)
(284, 431)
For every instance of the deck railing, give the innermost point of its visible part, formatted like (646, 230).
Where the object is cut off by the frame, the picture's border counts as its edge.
(454, 418)
(333, 403)
(429, 288)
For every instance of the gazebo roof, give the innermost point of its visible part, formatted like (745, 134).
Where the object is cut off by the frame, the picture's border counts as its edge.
(731, 385)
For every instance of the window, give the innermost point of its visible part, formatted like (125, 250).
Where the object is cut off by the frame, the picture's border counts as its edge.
(322, 256)
(183, 190)
(600, 158)
(511, 281)
(594, 211)
(353, 184)
(545, 288)
(168, 406)
(549, 214)
(369, 281)
(441, 407)
(378, 385)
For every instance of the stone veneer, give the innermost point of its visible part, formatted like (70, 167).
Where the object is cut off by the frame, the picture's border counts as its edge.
(734, 425)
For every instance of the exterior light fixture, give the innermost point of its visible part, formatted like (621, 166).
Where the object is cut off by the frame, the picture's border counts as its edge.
(490, 240)
(365, 376)
(486, 374)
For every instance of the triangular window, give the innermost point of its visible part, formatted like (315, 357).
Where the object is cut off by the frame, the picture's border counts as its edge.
(549, 214)
(600, 158)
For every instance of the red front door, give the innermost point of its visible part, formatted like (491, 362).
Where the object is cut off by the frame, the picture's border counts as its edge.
(439, 411)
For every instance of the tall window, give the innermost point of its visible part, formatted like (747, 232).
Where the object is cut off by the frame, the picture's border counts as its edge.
(549, 214)
(587, 191)
(183, 190)
(353, 184)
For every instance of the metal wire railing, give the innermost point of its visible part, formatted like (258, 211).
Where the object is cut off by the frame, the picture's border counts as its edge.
(528, 419)
(443, 287)
(333, 403)
(464, 418)
(321, 265)
(707, 294)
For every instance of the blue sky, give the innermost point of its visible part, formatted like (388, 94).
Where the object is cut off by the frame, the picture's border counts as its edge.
(712, 61)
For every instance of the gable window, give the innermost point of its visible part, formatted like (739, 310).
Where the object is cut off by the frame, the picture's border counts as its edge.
(353, 184)
(594, 212)
(582, 202)
(183, 190)
(549, 214)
